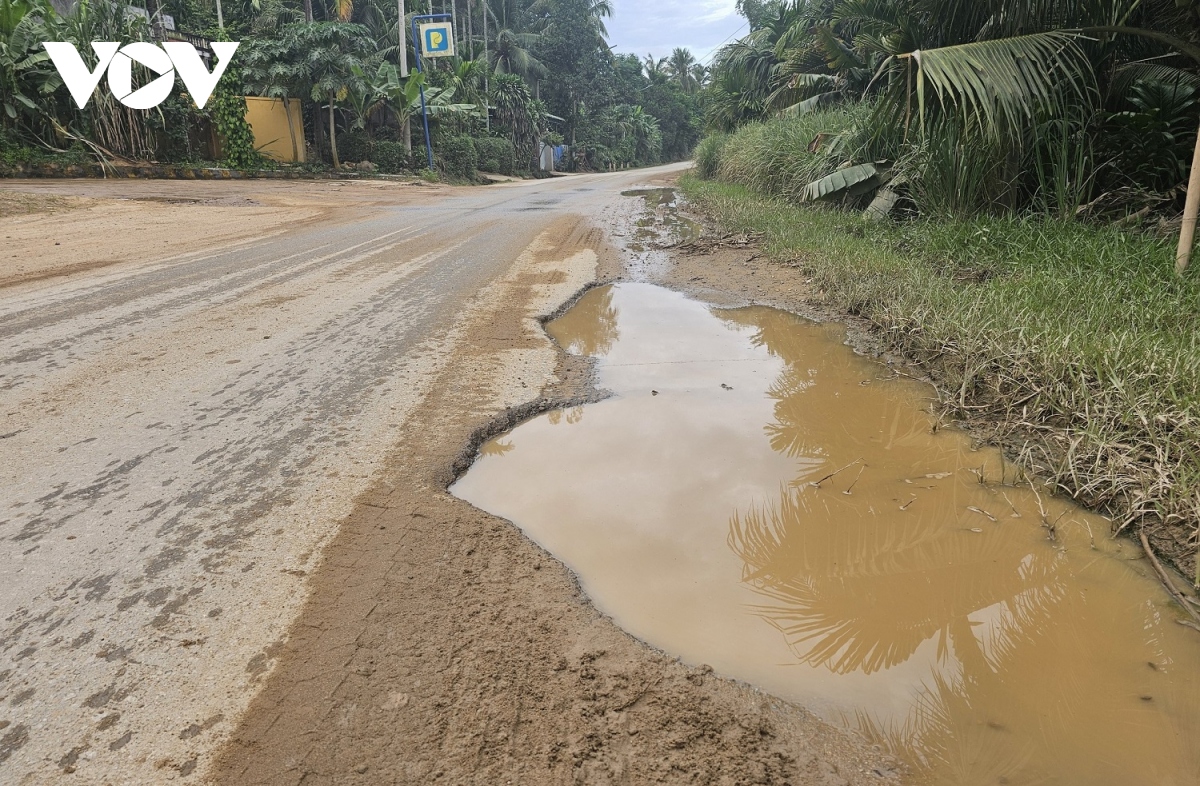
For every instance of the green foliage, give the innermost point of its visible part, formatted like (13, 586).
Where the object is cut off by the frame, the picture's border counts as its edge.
(172, 124)
(518, 116)
(227, 108)
(341, 60)
(709, 154)
(356, 146)
(496, 155)
(1082, 109)
(457, 157)
(321, 61)
(390, 157)
(27, 77)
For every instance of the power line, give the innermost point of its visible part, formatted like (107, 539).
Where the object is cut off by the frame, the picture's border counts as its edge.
(717, 48)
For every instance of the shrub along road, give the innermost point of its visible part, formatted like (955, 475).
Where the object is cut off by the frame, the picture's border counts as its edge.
(228, 415)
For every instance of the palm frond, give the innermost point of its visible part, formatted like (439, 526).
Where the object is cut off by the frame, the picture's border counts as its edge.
(1001, 84)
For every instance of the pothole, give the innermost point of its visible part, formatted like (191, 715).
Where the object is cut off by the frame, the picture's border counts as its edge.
(661, 226)
(757, 497)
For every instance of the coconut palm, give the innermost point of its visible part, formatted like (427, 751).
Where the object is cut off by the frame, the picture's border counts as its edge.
(680, 65)
(511, 54)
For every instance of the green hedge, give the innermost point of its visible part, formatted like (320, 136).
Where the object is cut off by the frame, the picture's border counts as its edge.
(457, 156)
(355, 146)
(496, 155)
(390, 157)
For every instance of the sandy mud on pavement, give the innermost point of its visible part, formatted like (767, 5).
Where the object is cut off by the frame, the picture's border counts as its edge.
(54, 228)
(758, 497)
(223, 502)
(441, 645)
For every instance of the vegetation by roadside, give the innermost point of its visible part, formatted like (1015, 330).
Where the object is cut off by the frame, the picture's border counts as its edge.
(528, 75)
(1073, 345)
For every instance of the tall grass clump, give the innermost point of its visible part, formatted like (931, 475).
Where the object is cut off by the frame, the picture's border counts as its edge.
(782, 156)
(709, 153)
(1073, 345)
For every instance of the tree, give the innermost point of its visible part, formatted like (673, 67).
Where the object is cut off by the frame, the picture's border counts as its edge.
(27, 78)
(680, 66)
(518, 114)
(511, 54)
(323, 60)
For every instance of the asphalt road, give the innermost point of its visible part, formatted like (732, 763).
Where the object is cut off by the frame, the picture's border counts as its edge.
(179, 437)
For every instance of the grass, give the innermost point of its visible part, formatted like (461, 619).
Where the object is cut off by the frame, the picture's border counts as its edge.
(1073, 345)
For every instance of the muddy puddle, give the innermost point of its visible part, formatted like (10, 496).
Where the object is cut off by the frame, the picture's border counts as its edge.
(661, 225)
(757, 497)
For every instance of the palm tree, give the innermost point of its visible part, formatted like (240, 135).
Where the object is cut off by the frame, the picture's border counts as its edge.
(511, 54)
(656, 69)
(594, 11)
(680, 66)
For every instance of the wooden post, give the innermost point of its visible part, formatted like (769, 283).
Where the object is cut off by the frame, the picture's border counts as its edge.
(1187, 232)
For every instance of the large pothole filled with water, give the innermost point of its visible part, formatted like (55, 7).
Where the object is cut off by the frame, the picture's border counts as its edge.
(757, 497)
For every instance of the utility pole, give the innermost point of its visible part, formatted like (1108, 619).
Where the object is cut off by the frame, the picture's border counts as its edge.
(487, 68)
(470, 30)
(220, 16)
(403, 57)
(406, 129)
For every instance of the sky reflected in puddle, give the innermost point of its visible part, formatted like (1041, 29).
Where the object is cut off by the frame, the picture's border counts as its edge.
(757, 497)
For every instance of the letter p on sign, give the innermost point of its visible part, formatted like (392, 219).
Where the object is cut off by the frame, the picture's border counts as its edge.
(437, 40)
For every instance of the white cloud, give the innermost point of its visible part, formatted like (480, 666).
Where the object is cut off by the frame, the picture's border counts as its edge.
(658, 26)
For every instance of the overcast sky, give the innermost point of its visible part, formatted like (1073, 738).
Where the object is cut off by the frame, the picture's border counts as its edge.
(658, 26)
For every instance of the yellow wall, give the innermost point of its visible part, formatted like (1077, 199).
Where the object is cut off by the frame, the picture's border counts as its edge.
(269, 122)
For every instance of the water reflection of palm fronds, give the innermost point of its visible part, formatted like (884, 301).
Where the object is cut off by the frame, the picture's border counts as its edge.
(790, 434)
(858, 592)
(943, 738)
(496, 447)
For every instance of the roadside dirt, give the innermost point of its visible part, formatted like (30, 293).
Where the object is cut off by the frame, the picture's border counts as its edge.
(440, 645)
(39, 242)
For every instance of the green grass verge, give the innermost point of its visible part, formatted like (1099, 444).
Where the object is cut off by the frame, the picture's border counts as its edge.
(1075, 345)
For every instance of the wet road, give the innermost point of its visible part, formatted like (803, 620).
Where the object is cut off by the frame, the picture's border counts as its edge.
(177, 440)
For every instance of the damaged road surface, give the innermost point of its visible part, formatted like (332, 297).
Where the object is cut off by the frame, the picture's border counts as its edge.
(226, 432)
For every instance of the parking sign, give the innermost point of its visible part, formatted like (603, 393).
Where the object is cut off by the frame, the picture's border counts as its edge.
(437, 40)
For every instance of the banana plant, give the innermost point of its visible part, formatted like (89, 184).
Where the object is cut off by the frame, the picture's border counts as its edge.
(27, 77)
(387, 92)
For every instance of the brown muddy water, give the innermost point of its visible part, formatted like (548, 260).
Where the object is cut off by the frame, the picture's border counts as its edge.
(661, 220)
(757, 497)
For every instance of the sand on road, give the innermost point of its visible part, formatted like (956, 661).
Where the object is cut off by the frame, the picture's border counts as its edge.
(228, 416)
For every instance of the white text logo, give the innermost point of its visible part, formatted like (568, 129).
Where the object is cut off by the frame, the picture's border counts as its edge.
(175, 57)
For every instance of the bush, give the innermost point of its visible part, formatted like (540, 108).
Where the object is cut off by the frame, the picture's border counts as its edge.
(355, 146)
(457, 156)
(709, 154)
(496, 155)
(390, 157)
